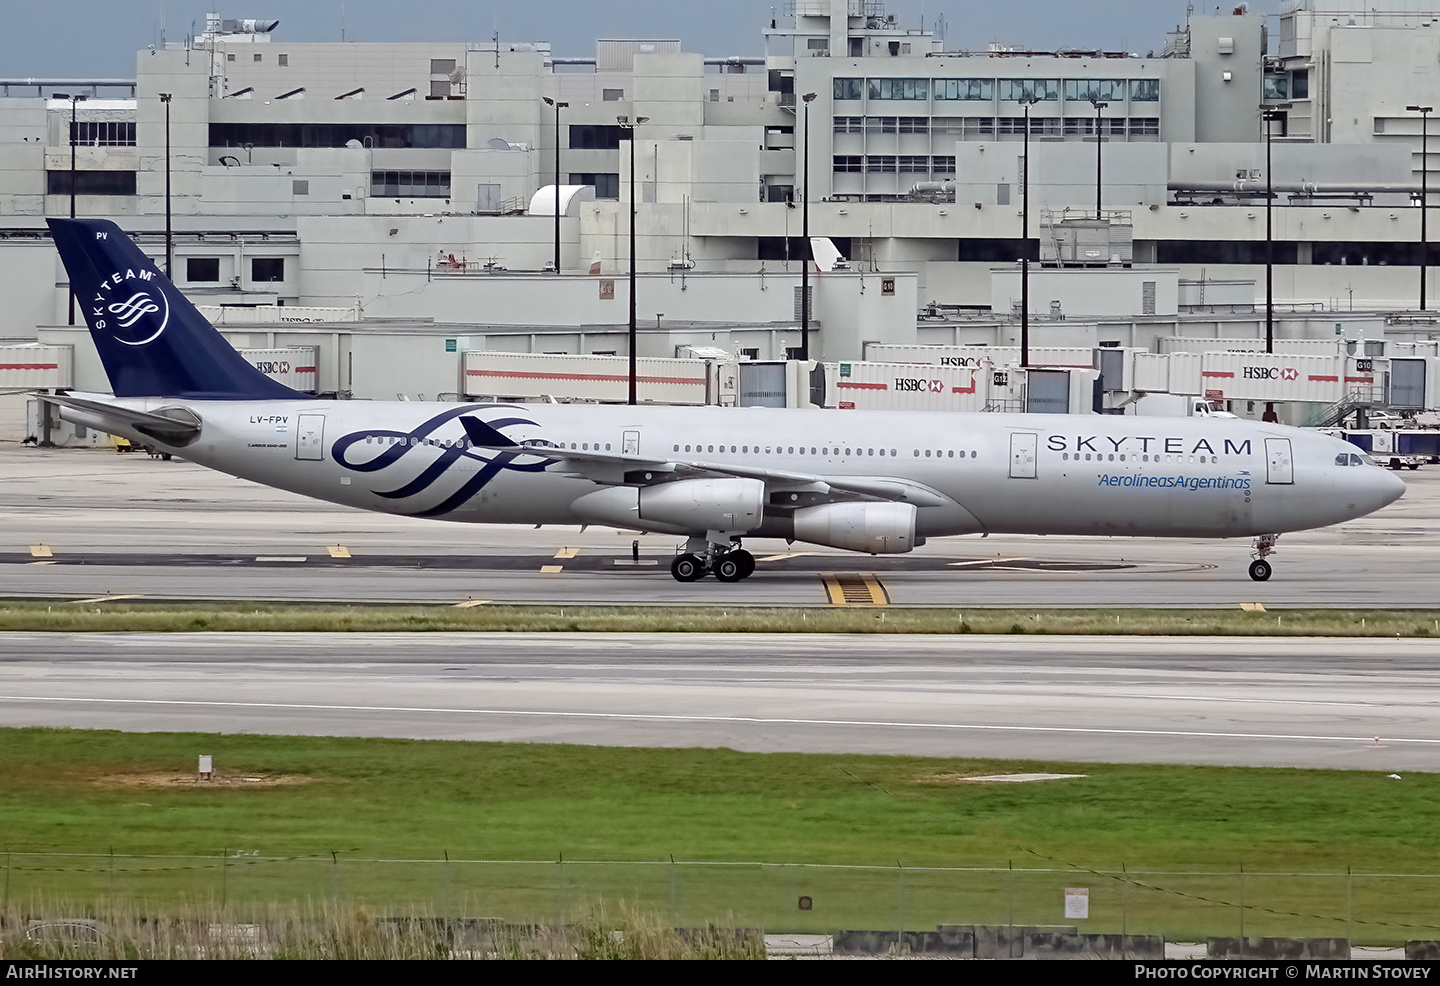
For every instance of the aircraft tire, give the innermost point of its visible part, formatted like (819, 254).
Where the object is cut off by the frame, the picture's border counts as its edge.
(728, 568)
(687, 568)
(747, 563)
(1260, 570)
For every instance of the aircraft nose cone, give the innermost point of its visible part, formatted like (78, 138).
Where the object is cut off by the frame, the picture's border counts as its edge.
(1382, 488)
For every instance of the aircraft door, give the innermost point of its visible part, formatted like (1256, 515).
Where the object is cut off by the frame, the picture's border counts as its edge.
(632, 443)
(1279, 462)
(1023, 448)
(310, 437)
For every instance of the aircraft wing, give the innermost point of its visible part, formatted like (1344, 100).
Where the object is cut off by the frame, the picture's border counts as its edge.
(610, 469)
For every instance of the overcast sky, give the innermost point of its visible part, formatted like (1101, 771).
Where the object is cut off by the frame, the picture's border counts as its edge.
(99, 38)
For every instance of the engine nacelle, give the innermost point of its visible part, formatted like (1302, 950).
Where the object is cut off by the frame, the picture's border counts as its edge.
(705, 504)
(874, 528)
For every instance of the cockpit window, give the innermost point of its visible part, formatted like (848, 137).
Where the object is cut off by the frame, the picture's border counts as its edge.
(1343, 459)
(1356, 460)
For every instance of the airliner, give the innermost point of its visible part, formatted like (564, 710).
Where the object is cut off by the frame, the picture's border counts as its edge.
(867, 481)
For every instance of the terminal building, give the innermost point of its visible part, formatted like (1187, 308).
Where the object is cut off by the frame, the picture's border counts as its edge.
(395, 205)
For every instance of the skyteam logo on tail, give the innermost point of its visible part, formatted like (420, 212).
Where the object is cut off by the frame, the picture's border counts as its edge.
(130, 301)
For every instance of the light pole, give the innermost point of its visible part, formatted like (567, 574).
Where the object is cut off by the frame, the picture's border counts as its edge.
(1424, 112)
(73, 100)
(625, 124)
(1099, 105)
(558, 107)
(1028, 100)
(1270, 114)
(169, 240)
(806, 254)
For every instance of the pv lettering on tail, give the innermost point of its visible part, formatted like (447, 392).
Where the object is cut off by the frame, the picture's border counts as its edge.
(879, 482)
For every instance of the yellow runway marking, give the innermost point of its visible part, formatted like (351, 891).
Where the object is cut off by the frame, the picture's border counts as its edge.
(855, 590)
(107, 599)
(551, 569)
(471, 603)
(1253, 607)
(789, 554)
(41, 551)
(567, 552)
(338, 551)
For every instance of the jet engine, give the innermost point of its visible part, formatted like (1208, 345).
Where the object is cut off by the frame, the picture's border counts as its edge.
(874, 528)
(705, 504)
(689, 506)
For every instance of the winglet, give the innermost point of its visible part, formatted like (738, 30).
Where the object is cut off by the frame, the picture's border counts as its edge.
(484, 436)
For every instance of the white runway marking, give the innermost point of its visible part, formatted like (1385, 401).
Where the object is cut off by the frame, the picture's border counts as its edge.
(749, 720)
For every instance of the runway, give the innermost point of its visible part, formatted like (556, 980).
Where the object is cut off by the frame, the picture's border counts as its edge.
(79, 524)
(1265, 702)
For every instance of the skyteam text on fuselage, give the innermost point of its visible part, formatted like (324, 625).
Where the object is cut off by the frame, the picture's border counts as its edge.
(876, 482)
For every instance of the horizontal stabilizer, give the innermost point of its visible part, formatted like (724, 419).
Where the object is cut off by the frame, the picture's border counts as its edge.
(177, 428)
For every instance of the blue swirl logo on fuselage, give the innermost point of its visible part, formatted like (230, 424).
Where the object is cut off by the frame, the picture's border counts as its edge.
(494, 462)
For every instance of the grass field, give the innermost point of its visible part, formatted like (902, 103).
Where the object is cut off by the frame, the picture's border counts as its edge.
(535, 832)
(175, 617)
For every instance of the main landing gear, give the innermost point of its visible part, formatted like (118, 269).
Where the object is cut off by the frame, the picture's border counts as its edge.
(726, 560)
(1260, 569)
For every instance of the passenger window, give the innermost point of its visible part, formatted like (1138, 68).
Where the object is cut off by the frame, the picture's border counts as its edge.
(952, 454)
(791, 450)
(927, 453)
(1065, 456)
(973, 454)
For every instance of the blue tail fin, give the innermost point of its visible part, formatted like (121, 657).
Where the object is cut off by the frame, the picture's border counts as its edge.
(151, 340)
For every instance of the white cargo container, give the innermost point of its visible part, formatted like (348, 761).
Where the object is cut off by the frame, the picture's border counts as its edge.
(1152, 373)
(274, 314)
(1185, 370)
(1288, 377)
(1298, 347)
(603, 379)
(296, 368)
(31, 366)
(978, 355)
(906, 387)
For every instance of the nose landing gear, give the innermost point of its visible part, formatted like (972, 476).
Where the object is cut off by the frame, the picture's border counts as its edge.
(726, 560)
(1260, 569)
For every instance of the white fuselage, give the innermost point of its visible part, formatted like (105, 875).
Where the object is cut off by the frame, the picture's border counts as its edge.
(994, 473)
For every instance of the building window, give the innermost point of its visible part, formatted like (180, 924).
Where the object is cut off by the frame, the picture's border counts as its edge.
(1300, 84)
(386, 135)
(267, 269)
(881, 164)
(90, 182)
(848, 164)
(259, 57)
(914, 164)
(300, 186)
(981, 89)
(849, 124)
(1277, 86)
(1144, 90)
(914, 124)
(615, 95)
(410, 184)
(847, 88)
(898, 88)
(103, 133)
(202, 270)
(882, 124)
(442, 66)
(284, 60)
(1016, 90)
(1145, 126)
(592, 137)
(607, 186)
(942, 164)
(439, 88)
(230, 56)
(1105, 90)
